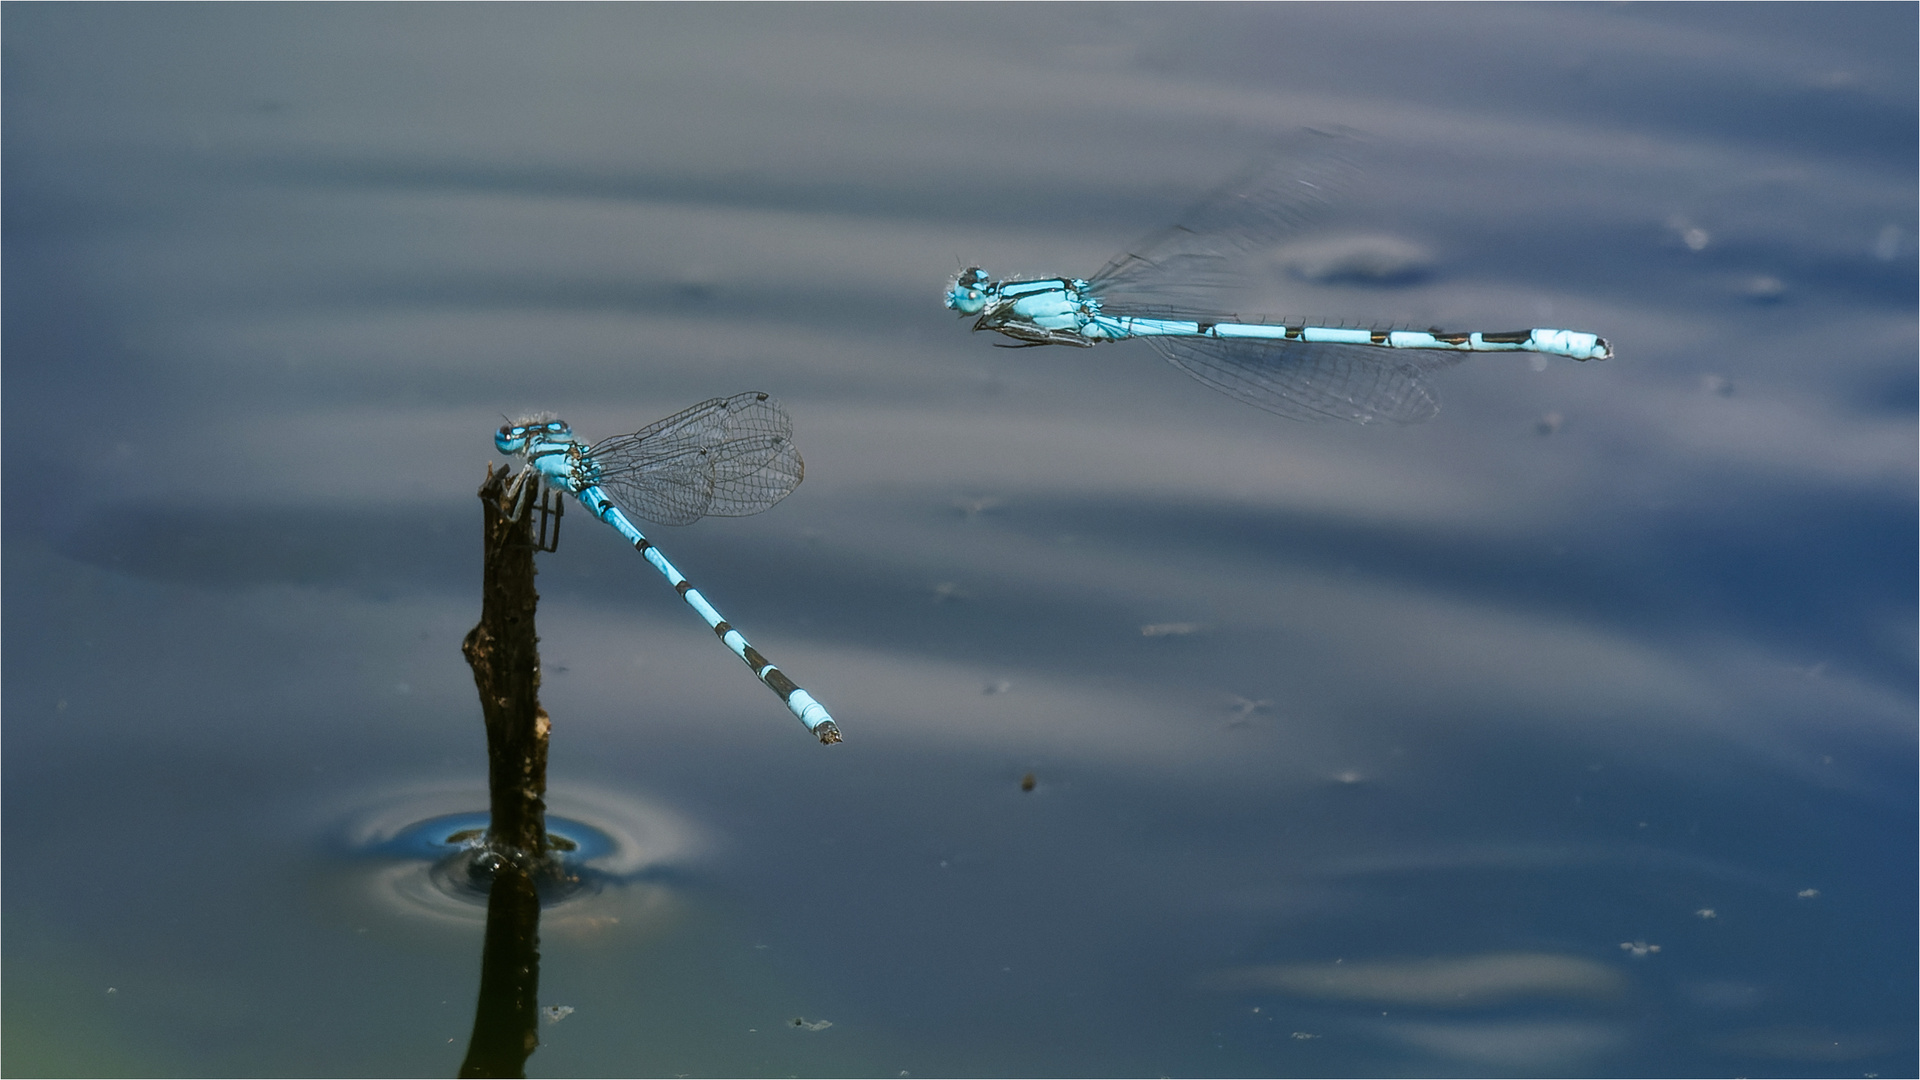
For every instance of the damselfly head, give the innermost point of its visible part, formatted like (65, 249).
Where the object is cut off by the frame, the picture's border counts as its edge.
(968, 292)
(512, 437)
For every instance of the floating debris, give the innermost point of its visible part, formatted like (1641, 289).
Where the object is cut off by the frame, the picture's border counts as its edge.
(1763, 289)
(1639, 948)
(1707, 913)
(1304, 1035)
(1808, 894)
(557, 1013)
(816, 1025)
(1028, 783)
(1695, 237)
(1244, 708)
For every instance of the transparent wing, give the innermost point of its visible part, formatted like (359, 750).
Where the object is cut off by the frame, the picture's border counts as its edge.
(727, 457)
(1190, 263)
(711, 422)
(674, 489)
(1315, 381)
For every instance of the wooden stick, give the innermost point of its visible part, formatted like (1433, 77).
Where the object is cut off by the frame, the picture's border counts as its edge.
(504, 653)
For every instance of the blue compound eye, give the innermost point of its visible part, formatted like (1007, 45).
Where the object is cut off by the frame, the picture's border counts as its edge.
(556, 426)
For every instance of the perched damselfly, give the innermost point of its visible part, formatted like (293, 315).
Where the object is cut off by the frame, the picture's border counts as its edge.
(727, 457)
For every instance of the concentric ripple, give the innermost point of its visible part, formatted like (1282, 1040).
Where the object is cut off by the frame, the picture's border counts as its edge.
(426, 850)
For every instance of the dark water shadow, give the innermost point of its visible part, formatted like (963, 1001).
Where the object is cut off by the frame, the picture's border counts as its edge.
(1672, 575)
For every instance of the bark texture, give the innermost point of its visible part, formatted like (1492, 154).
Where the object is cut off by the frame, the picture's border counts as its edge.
(504, 653)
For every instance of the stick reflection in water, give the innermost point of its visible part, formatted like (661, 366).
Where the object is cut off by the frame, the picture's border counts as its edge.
(505, 1029)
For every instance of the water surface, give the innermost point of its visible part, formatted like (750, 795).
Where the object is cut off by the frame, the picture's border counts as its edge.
(1569, 733)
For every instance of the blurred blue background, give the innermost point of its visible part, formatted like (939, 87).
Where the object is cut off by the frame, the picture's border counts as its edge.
(1570, 733)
